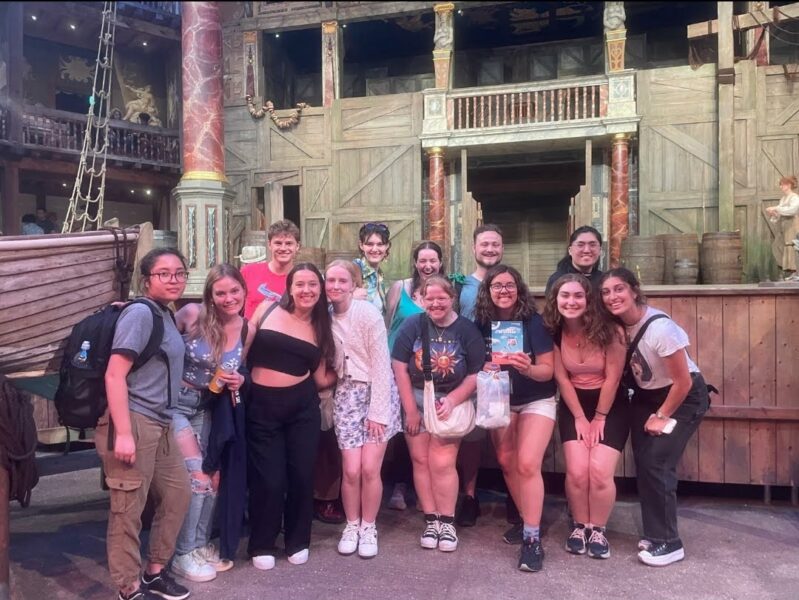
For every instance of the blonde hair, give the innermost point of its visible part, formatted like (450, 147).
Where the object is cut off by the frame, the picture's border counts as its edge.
(350, 267)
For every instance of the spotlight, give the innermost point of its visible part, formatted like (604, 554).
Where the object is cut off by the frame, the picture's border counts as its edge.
(34, 17)
(72, 26)
(277, 35)
(144, 43)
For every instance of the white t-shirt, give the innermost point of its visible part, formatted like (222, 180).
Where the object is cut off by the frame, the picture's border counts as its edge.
(662, 338)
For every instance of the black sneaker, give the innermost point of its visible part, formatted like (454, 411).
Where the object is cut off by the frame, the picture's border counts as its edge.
(514, 535)
(576, 542)
(468, 513)
(164, 586)
(598, 546)
(660, 555)
(140, 594)
(531, 556)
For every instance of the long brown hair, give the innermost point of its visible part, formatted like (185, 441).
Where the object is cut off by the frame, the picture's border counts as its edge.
(320, 316)
(208, 326)
(598, 329)
(485, 310)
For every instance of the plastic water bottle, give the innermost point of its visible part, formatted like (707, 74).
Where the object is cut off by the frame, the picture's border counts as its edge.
(83, 355)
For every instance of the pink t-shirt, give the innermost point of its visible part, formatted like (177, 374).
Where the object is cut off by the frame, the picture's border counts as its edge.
(262, 284)
(586, 375)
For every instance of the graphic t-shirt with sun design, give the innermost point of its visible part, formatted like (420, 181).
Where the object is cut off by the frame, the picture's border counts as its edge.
(455, 351)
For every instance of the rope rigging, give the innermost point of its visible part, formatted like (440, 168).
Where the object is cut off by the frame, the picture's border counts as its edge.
(85, 209)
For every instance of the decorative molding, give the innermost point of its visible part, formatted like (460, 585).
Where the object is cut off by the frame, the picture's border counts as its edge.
(269, 107)
(191, 233)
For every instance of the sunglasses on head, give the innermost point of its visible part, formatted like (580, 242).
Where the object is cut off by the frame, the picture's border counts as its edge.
(374, 227)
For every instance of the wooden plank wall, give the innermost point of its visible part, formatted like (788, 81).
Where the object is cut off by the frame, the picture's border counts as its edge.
(745, 345)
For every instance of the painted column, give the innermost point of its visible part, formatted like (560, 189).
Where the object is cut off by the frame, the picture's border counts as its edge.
(203, 195)
(331, 70)
(443, 44)
(615, 36)
(619, 195)
(437, 210)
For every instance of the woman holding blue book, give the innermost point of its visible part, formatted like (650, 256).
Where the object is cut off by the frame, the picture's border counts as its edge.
(503, 296)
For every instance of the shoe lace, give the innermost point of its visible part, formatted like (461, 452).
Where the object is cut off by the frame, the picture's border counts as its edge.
(578, 533)
(369, 535)
(431, 529)
(447, 532)
(350, 533)
(598, 537)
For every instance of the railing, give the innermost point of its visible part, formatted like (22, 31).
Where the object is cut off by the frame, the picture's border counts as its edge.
(62, 131)
(3, 123)
(552, 102)
(169, 8)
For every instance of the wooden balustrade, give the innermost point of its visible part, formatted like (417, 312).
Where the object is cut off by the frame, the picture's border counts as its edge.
(502, 108)
(61, 131)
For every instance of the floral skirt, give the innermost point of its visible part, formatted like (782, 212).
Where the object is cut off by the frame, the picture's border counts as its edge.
(350, 408)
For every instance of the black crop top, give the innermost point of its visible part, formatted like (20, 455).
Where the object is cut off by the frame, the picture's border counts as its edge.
(283, 353)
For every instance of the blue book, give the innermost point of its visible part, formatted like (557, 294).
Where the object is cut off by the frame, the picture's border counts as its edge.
(507, 337)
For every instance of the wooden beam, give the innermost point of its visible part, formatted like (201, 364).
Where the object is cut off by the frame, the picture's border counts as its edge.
(745, 21)
(10, 198)
(59, 167)
(726, 68)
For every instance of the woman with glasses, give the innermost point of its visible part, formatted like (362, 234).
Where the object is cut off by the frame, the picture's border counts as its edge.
(520, 447)
(457, 354)
(593, 418)
(217, 338)
(289, 359)
(374, 244)
(135, 437)
(582, 256)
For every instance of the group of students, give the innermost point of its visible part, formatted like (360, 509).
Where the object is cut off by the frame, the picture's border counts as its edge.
(246, 365)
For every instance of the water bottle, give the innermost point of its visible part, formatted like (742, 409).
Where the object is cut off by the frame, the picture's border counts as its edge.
(217, 385)
(83, 355)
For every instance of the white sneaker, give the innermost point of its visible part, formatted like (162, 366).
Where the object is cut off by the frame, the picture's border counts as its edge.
(211, 555)
(299, 558)
(349, 539)
(192, 566)
(447, 537)
(264, 562)
(429, 537)
(397, 500)
(367, 545)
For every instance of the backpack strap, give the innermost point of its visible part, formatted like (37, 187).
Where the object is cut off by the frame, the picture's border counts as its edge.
(427, 366)
(153, 346)
(267, 312)
(640, 334)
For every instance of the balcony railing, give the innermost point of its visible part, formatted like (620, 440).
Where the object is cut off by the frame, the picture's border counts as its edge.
(166, 8)
(63, 132)
(527, 104)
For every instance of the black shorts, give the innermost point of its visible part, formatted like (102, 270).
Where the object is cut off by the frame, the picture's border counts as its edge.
(617, 425)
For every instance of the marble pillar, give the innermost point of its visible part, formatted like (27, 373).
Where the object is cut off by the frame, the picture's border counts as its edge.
(619, 195)
(443, 45)
(203, 196)
(437, 210)
(331, 71)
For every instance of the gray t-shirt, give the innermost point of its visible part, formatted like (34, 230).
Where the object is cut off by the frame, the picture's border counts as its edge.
(468, 299)
(147, 385)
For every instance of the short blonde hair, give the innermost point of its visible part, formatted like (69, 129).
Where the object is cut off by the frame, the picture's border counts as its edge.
(350, 267)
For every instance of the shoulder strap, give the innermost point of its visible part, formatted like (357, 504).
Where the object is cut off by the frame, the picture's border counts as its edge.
(266, 314)
(244, 331)
(153, 347)
(640, 334)
(427, 366)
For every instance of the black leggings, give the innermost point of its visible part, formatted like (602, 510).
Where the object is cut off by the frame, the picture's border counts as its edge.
(282, 437)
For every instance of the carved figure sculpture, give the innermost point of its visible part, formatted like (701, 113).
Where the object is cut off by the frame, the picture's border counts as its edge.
(143, 103)
(443, 36)
(614, 16)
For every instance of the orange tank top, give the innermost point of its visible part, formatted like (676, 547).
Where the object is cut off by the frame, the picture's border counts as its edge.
(587, 375)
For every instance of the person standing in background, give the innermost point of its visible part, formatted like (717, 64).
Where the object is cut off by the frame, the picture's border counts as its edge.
(786, 216)
(582, 256)
(374, 244)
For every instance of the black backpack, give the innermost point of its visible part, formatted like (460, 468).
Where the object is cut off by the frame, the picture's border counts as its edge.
(80, 399)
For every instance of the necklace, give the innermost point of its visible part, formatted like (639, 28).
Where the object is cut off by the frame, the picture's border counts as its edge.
(440, 333)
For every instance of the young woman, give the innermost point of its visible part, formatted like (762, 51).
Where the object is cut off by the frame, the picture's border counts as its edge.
(374, 244)
(404, 300)
(292, 347)
(366, 405)
(457, 353)
(668, 385)
(135, 436)
(582, 256)
(520, 447)
(786, 214)
(593, 417)
(217, 338)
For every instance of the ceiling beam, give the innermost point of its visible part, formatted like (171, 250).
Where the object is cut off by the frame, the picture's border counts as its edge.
(746, 21)
(60, 167)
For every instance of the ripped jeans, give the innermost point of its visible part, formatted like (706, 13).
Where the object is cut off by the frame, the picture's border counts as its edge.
(192, 425)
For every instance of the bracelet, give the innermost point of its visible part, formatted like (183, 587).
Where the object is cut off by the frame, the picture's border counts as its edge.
(599, 412)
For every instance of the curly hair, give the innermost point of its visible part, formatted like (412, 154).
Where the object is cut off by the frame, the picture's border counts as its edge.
(485, 310)
(598, 329)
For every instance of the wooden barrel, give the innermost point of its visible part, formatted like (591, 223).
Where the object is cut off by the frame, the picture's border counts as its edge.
(341, 254)
(644, 257)
(163, 238)
(316, 256)
(722, 257)
(677, 246)
(685, 271)
(253, 237)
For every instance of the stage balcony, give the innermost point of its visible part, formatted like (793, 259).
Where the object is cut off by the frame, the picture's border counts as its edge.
(54, 133)
(579, 107)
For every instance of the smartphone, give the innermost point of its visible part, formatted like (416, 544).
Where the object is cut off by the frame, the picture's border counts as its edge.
(670, 424)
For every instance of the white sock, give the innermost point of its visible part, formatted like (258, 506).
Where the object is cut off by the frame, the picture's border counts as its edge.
(356, 522)
(365, 524)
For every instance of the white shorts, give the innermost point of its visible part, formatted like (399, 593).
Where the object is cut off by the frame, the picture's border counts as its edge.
(546, 407)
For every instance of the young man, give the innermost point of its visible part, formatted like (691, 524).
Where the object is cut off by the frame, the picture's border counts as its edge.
(267, 280)
(44, 221)
(488, 250)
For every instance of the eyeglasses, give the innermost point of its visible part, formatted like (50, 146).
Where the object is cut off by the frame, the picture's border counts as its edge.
(498, 287)
(166, 277)
(583, 245)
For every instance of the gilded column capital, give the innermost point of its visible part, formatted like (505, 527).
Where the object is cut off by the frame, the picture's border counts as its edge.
(621, 138)
(435, 151)
(447, 7)
(329, 27)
